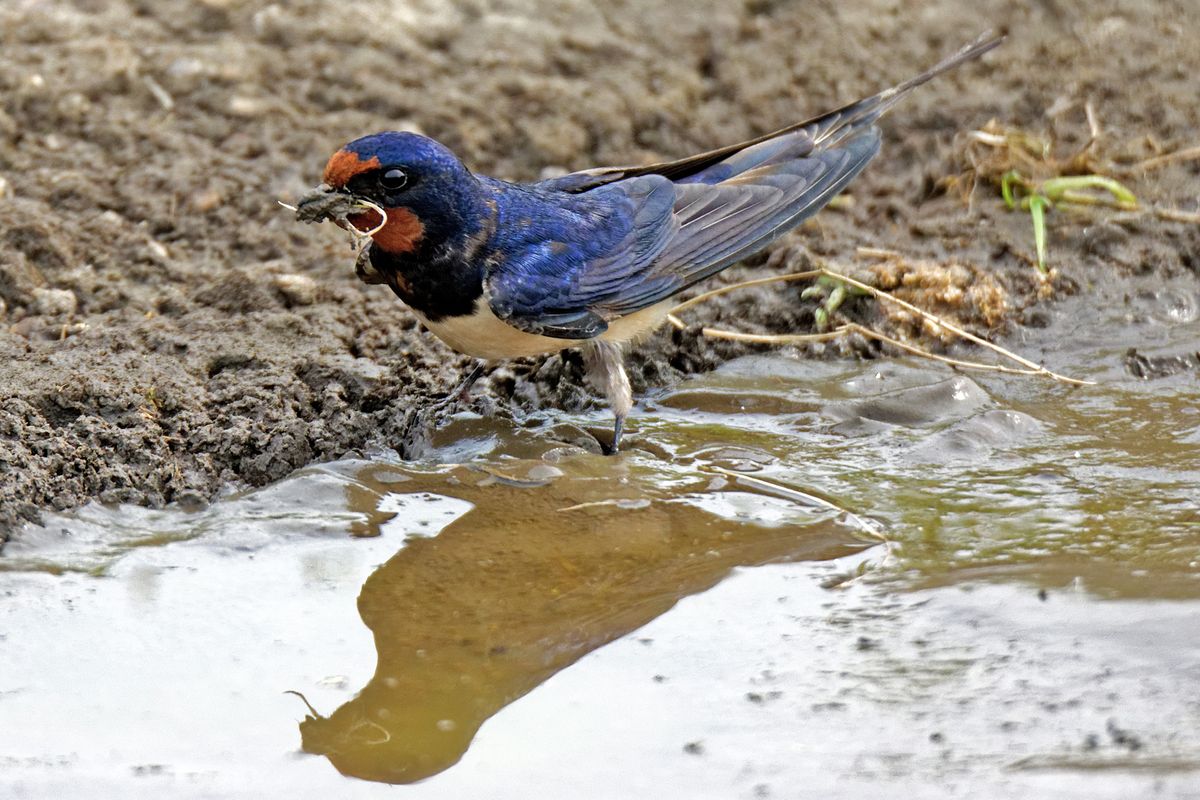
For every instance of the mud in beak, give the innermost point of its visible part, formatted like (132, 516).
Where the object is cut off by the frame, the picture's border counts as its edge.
(326, 203)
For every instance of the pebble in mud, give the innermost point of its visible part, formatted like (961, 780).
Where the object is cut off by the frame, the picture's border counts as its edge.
(298, 290)
(54, 302)
(1149, 368)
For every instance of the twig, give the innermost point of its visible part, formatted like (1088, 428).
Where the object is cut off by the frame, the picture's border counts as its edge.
(976, 365)
(1177, 215)
(361, 234)
(854, 327)
(925, 315)
(876, 252)
(1093, 124)
(1187, 154)
(772, 338)
(988, 138)
(1029, 367)
(700, 298)
(160, 94)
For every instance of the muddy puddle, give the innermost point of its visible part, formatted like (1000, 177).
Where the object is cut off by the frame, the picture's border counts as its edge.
(803, 579)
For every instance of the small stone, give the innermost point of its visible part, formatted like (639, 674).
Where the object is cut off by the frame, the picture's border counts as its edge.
(206, 200)
(298, 290)
(267, 20)
(54, 302)
(186, 68)
(158, 250)
(543, 472)
(242, 106)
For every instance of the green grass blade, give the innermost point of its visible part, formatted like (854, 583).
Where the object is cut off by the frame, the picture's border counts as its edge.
(1056, 188)
(1006, 187)
(1037, 210)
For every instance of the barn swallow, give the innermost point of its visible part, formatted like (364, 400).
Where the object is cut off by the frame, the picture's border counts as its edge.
(590, 259)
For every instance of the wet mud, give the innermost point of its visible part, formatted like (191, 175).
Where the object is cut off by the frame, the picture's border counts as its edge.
(166, 330)
(839, 576)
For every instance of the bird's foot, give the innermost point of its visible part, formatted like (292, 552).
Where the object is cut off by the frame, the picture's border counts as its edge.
(460, 395)
(618, 429)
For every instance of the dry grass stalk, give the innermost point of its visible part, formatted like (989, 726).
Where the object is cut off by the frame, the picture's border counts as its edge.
(1027, 367)
(1186, 154)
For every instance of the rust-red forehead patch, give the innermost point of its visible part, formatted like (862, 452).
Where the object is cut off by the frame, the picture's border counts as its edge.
(344, 165)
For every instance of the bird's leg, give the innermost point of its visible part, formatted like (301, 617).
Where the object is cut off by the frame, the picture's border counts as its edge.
(462, 392)
(605, 363)
(618, 429)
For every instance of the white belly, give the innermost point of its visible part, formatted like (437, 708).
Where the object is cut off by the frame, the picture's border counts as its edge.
(484, 335)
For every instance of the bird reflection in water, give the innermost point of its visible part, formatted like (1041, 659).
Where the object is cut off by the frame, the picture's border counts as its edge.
(551, 563)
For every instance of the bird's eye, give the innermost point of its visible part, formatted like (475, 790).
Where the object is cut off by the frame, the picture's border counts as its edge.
(393, 179)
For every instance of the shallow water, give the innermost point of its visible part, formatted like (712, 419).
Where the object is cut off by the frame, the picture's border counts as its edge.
(803, 578)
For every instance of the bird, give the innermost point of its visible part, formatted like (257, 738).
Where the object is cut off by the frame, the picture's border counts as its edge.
(589, 259)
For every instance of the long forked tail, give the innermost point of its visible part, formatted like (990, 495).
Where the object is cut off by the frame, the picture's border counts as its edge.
(832, 127)
(735, 201)
(825, 130)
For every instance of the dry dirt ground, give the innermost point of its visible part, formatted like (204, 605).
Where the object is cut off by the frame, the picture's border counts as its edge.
(167, 330)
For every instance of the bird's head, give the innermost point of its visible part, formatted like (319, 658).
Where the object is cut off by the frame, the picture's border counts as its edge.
(426, 193)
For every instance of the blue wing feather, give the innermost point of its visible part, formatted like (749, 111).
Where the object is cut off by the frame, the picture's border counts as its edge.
(567, 263)
(574, 252)
(559, 258)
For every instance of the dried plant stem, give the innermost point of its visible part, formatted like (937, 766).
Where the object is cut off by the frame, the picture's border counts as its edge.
(700, 298)
(877, 252)
(383, 220)
(1187, 154)
(925, 315)
(361, 234)
(773, 338)
(1093, 121)
(1178, 215)
(1027, 367)
(956, 362)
